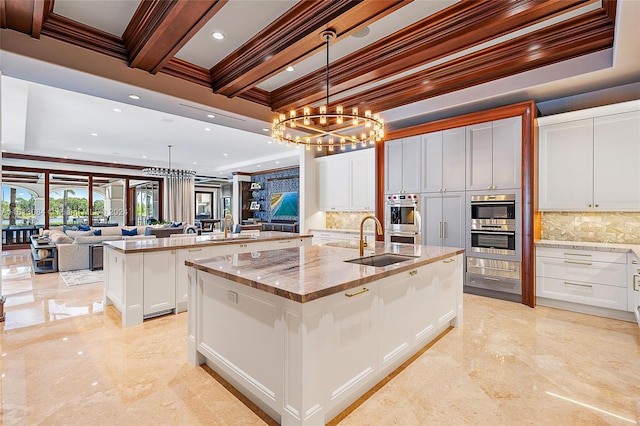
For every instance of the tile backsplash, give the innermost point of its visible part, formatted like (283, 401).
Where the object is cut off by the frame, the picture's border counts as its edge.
(602, 227)
(349, 220)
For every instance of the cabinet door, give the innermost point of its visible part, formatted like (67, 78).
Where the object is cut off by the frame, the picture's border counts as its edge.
(424, 302)
(159, 285)
(432, 162)
(432, 219)
(566, 166)
(393, 166)
(182, 280)
(449, 273)
(395, 325)
(363, 180)
(411, 164)
(324, 185)
(453, 159)
(350, 351)
(616, 159)
(453, 216)
(479, 143)
(507, 157)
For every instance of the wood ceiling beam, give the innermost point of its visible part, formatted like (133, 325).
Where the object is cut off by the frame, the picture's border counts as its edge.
(60, 28)
(25, 16)
(579, 36)
(159, 29)
(458, 27)
(293, 37)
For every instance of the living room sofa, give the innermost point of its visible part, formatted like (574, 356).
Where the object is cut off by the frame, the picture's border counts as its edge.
(73, 244)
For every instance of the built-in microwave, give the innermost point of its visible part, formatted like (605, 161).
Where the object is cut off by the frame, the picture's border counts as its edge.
(493, 212)
(494, 242)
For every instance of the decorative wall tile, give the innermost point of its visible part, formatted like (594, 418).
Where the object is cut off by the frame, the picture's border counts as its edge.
(349, 220)
(605, 227)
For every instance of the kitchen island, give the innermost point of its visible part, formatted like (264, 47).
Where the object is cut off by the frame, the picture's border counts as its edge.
(148, 278)
(303, 333)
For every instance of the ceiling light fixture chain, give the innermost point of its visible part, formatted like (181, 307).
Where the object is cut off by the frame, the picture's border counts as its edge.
(169, 172)
(328, 129)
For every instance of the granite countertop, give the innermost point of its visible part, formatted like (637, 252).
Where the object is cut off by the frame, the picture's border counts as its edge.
(306, 273)
(584, 245)
(160, 244)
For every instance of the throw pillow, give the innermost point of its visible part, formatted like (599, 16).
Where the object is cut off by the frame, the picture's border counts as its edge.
(66, 228)
(75, 234)
(126, 232)
(60, 238)
(84, 228)
(97, 232)
(176, 225)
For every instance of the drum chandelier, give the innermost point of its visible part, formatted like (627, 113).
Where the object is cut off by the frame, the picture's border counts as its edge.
(169, 172)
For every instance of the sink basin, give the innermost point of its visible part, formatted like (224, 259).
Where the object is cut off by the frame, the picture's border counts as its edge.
(380, 260)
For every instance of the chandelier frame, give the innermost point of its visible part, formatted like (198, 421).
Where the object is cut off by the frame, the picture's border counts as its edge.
(169, 172)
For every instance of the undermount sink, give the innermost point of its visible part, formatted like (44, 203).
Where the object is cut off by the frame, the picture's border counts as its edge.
(380, 260)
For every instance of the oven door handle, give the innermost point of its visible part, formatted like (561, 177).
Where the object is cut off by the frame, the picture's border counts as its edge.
(490, 202)
(493, 232)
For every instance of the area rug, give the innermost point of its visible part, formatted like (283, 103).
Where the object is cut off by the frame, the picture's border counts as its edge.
(83, 276)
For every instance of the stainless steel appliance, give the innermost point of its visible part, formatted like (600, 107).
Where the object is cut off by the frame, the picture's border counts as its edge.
(493, 224)
(402, 218)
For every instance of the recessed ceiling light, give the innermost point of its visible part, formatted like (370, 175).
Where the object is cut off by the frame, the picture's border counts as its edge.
(117, 110)
(361, 33)
(79, 149)
(211, 116)
(225, 154)
(277, 162)
(132, 96)
(207, 129)
(115, 162)
(217, 35)
(269, 141)
(290, 68)
(195, 162)
(94, 134)
(265, 129)
(258, 166)
(144, 156)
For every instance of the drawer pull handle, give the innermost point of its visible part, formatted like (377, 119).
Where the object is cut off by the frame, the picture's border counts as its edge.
(448, 261)
(412, 273)
(578, 263)
(496, 269)
(194, 250)
(491, 278)
(364, 290)
(636, 283)
(577, 254)
(580, 285)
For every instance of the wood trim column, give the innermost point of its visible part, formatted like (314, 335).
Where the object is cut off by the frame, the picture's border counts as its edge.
(379, 177)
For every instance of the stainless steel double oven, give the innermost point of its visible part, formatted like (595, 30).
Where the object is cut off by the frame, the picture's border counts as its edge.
(494, 243)
(402, 218)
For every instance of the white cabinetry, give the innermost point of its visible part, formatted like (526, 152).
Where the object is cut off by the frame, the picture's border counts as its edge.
(494, 155)
(443, 219)
(633, 304)
(582, 277)
(402, 165)
(589, 159)
(347, 181)
(443, 161)
(159, 286)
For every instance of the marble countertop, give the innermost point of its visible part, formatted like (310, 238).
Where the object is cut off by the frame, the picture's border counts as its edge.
(160, 244)
(580, 245)
(306, 273)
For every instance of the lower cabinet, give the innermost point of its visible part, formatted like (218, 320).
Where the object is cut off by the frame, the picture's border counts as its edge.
(159, 286)
(582, 277)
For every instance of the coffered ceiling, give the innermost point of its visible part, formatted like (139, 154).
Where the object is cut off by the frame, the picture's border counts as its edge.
(405, 59)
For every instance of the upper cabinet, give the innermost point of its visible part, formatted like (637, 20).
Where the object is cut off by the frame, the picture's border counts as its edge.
(494, 155)
(347, 181)
(402, 165)
(443, 161)
(589, 159)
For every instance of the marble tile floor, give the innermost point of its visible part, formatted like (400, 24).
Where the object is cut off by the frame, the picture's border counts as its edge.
(67, 361)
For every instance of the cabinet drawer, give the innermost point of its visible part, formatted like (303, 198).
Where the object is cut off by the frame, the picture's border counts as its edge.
(585, 255)
(490, 283)
(605, 296)
(610, 274)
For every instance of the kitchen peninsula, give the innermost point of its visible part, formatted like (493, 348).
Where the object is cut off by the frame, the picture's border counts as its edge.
(303, 332)
(147, 278)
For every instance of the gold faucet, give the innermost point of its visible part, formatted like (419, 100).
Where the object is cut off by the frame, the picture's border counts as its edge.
(224, 223)
(363, 243)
